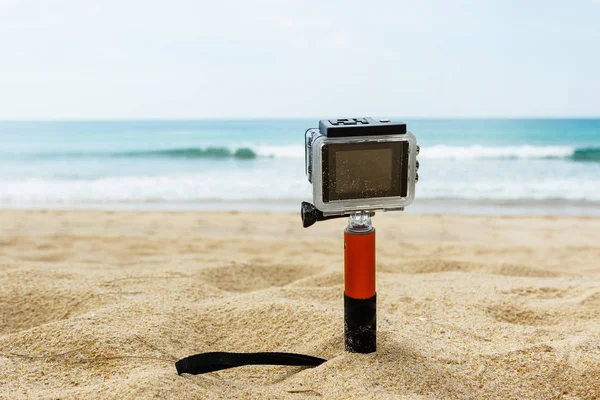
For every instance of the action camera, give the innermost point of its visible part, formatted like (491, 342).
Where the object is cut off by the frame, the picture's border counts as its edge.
(360, 164)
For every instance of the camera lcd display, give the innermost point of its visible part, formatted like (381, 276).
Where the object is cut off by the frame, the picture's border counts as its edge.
(358, 170)
(365, 170)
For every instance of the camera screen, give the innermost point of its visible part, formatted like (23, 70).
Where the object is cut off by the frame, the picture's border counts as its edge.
(358, 170)
(365, 170)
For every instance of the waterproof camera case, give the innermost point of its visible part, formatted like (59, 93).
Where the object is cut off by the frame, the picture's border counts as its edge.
(361, 164)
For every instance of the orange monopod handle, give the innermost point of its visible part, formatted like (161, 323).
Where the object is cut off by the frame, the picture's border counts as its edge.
(359, 264)
(359, 291)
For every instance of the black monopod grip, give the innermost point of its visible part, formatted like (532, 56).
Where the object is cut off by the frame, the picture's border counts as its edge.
(360, 324)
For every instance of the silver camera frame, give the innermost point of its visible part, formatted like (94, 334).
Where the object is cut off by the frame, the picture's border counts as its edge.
(314, 142)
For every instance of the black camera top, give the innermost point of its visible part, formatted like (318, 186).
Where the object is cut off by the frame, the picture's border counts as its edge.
(348, 127)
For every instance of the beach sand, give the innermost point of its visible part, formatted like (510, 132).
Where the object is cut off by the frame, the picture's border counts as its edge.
(98, 304)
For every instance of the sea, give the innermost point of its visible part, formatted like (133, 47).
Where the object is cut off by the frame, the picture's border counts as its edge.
(467, 166)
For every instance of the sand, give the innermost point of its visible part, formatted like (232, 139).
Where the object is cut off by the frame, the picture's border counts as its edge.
(100, 304)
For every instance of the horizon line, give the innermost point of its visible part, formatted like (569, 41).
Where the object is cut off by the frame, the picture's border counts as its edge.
(286, 118)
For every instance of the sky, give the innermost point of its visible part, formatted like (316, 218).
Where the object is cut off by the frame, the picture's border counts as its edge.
(137, 59)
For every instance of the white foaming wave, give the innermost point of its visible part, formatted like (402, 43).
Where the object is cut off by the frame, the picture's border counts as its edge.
(493, 152)
(227, 186)
(573, 189)
(151, 189)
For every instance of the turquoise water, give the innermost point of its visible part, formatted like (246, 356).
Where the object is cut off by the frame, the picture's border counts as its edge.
(258, 164)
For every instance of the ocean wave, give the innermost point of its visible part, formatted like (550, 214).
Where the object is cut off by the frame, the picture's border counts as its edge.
(440, 152)
(220, 152)
(586, 154)
(511, 152)
(290, 151)
(238, 185)
(210, 185)
(191, 152)
(427, 152)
